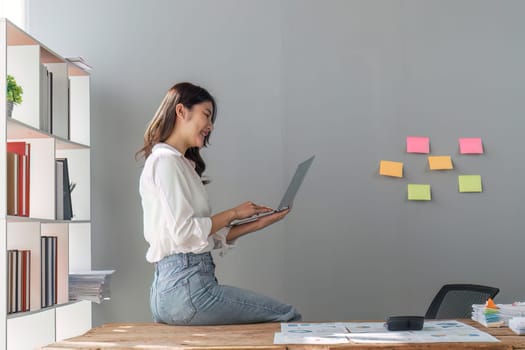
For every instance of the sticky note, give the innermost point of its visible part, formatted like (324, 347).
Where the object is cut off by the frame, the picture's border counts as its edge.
(469, 183)
(440, 162)
(418, 192)
(418, 144)
(491, 304)
(388, 168)
(470, 146)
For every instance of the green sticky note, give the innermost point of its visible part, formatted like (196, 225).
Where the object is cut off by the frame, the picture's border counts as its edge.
(469, 183)
(417, 192)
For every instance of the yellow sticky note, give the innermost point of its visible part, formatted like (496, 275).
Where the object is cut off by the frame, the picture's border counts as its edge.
(388, 168)
(440, 163)
(470, 183)
(418, 192)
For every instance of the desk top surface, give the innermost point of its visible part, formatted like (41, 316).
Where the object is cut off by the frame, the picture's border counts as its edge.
(248, 336)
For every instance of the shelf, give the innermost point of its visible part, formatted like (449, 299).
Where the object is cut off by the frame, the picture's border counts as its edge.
(54, 123)
(14, 218)
(44, 309)
(18, 130)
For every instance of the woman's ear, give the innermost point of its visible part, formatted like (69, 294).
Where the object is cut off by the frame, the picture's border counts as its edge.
(180, 110)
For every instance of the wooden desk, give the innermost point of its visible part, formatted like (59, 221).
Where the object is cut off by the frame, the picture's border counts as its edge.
(239, 337)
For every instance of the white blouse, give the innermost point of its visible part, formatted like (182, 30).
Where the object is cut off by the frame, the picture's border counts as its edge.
(177, 213)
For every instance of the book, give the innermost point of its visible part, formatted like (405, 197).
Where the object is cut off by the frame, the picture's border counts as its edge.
(49, 270)
(63, 191)
(58, 99)
(26, 280)
(46, 105)
(19, 281)
(59, 188)
(12, 183)
(11, 254)
(22, 149)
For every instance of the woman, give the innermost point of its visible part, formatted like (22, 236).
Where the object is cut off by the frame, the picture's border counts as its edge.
(180, 229)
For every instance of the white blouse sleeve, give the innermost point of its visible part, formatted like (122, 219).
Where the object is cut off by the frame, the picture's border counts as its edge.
(189, 233)
(220, 240)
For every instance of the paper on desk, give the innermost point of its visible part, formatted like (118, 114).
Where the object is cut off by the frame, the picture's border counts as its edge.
(445, 324)
(383, 337)
(449, 336)
(441, 331)
(291, 338)
(314, 328)
(365, 327)
(429, 325)
(438, 331)
(312, 333)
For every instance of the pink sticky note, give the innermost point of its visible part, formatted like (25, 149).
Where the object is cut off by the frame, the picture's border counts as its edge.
(470, 146)
(418, 144)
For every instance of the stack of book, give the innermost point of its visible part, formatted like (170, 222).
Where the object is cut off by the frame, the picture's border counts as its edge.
(90, 285)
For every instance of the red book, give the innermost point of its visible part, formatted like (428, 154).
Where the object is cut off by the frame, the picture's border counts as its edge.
(23, 150)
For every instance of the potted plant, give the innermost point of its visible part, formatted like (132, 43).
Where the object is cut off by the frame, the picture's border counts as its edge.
(14, 94)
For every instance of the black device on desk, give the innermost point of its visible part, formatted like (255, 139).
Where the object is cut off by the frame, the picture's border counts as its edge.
(405, 323)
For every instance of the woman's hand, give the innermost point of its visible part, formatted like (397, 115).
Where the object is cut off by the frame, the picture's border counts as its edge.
(243, 211)
(270, 219)
(259, 224)
(247, 209)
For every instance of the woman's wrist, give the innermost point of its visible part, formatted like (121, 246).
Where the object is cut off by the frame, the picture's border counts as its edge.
(234, 214)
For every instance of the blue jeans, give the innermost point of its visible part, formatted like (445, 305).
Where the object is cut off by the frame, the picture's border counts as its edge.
(185, 292)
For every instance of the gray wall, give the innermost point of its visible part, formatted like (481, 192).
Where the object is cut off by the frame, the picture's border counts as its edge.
(346, 80)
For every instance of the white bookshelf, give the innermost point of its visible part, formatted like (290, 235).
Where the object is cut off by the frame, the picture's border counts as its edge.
(23, 57)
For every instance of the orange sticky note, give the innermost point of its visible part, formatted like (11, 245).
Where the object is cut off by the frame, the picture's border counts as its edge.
(440, 163)
(491, 304)
(388, 168)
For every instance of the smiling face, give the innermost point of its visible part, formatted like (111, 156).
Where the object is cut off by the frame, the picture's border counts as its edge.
(200, 123)
(193, 126)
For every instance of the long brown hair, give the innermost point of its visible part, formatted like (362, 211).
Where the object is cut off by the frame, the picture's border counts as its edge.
(163, 123)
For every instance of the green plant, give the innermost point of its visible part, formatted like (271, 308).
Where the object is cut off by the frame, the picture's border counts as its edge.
(14, 91)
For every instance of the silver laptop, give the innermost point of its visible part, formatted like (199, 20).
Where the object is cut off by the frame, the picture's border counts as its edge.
(289, 195)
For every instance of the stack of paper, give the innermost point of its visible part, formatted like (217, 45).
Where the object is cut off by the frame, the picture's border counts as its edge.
(517, 324)
(492, 315)
(90, 285)
(512, 310)
(487, 314)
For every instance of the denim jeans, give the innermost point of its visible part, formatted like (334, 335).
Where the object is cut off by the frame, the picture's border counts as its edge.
(185, 292)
